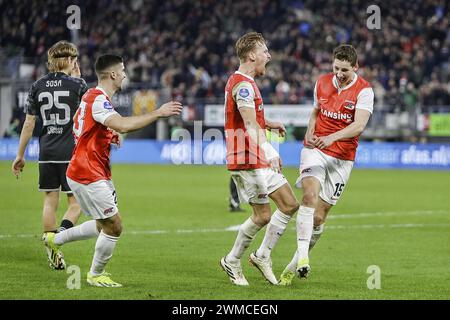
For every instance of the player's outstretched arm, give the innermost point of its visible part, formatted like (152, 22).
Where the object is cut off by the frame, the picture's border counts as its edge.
(273, 125)
(25, 136)
(127, 124)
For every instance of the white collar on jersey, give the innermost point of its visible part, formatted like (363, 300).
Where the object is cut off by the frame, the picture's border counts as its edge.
(336, 85)
(245, 75)
(102, 90)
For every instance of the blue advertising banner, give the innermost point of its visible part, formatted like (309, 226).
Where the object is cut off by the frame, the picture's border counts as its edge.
(369, 155)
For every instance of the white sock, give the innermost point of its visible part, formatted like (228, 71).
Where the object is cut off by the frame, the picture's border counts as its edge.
(85, 230)
(317, 232)
(274, 231)
(104, 248)
(247, 232)
(305, 222)
(292, 266)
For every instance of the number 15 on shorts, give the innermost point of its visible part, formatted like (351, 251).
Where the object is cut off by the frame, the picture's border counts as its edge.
(339, 187)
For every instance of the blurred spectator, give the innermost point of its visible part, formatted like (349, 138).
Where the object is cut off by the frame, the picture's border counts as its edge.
(187, 46)
(13, 131)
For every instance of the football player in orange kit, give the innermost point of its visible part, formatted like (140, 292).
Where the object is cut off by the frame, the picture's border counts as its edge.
(343, 103)
(255, 165)
(96, 124)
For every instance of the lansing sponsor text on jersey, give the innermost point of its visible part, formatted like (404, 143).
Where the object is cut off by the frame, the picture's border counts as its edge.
(337, 110)
(337, 115)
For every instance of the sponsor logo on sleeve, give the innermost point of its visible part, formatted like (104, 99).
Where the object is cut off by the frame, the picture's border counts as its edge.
(107, 105)
(244, 93)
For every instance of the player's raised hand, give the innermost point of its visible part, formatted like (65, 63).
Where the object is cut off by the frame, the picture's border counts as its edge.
(76, 72)
(279, 127)
(17, 166)
(172, 108)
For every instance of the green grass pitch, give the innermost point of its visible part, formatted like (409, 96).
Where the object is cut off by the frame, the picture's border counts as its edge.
(175, 220)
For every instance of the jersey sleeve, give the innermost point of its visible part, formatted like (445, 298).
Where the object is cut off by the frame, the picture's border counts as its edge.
(244, 95)
(102, 109)
(365, 99)
(315, 105)
(83, 88)
(31, 106)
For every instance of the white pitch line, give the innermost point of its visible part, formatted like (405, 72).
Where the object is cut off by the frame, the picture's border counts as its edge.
(336, 216)
(392, 213)
(331, 217)
(383, 226)
(235, 228)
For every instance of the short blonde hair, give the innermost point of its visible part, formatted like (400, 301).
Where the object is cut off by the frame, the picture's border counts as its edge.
(58, 55)
(247, 43)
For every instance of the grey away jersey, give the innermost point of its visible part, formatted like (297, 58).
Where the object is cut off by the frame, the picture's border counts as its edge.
(54, 99)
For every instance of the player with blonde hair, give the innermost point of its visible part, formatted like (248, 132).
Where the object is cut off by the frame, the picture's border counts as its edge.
(53, 99)
(255, 165)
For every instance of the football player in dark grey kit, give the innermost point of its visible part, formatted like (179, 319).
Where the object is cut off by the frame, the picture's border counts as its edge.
(54, 99)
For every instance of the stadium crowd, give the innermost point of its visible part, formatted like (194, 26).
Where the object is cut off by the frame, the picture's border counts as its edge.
(187, 46)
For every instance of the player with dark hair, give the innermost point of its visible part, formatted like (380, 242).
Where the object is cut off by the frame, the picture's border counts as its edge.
(89, 172)
(343, 103)
(53, 100)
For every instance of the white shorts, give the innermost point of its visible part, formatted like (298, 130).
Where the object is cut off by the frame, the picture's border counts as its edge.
(254, 186)
(332, 173)
(97, 199)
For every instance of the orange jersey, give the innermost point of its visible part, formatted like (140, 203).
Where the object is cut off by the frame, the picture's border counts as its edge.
(241, 154)
(90, 159)
(337, 111)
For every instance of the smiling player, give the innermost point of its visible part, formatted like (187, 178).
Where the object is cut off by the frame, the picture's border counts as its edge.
(343, 103)
(89, 171)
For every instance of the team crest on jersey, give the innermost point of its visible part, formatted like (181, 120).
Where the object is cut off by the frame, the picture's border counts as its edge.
(107, 105)
(349, 105)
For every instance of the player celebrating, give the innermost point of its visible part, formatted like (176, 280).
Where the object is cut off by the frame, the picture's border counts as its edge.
(54, 99)
(255, 165)
(343, 103)
(89, 173)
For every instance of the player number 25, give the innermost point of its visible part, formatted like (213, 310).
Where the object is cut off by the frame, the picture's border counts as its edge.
(53, 100)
